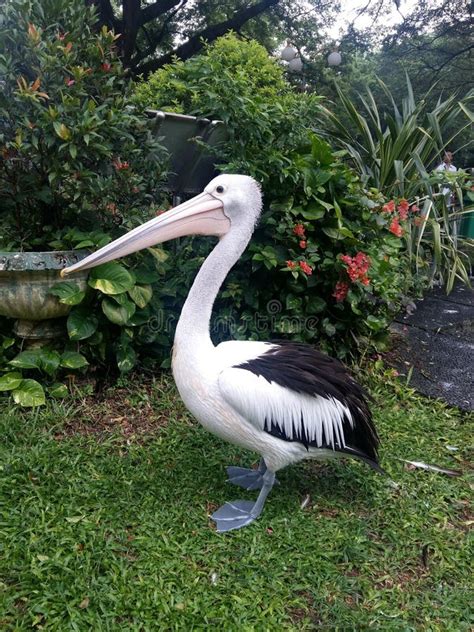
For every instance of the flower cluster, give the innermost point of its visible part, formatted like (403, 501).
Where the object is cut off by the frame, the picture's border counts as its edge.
(395, 227)
(399, 211)
(299, 231)
(357, 267)
(303, 266)
(340, 291)
(119, 165)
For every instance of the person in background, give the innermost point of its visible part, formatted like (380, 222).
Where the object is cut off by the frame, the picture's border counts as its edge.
(447, 165)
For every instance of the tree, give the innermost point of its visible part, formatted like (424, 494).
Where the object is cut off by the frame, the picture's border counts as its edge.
(149, 31)
(152, 33)
(434, 44)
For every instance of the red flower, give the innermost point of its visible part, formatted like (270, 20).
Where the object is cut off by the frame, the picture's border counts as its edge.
(291, 264)
(106, 66)
(302, 244)
(306, 268)
(69, 82)
(340, 291)
(389, 207)
(414, 208)
(298, 230)
(119, 165)
(403, 206)
(395, 227)
(357, 267)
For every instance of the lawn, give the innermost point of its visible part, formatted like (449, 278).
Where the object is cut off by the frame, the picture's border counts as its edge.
(104, 523)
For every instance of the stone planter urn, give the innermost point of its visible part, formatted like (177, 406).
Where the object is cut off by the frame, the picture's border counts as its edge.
(25, 281)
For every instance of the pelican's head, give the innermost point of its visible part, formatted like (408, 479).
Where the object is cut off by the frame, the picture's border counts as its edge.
(228, 202)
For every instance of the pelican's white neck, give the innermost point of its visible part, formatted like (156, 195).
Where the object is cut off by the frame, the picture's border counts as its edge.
(194, 322)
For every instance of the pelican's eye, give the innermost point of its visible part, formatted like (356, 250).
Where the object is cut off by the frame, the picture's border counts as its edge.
(219, 188)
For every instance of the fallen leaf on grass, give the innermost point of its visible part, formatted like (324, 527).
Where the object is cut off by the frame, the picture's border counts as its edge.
(305, 502)
(425, 553)
(413, 465)
(84, 603)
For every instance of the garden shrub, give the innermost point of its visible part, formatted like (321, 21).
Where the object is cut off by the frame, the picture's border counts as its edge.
(237, 82)
(78, 167)
(72, 151)
(323, 265)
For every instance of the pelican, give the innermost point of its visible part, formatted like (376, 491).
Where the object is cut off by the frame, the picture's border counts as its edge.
(284, 400)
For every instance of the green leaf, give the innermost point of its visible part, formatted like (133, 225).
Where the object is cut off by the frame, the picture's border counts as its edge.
(282, 206)
(58, 390)
(68, 292)
(27, 359)
(329, 327)
(111, 278)
(126, 358)
(118, 314)
(313, 211)
(73, 360)
(61, 130)
(315, 305)
(49, 361)
(30, 393)
(159, 254)
(293, 303)
(81, 324)
(141, 295)
(145, 277)
(85, 243)
(374, 323)
(335, 233)
(8, 342)
(10, 381)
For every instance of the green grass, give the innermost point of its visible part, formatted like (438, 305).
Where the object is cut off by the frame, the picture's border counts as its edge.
(104, 524)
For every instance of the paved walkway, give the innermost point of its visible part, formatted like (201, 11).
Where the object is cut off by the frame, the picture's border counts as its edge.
(437, 340)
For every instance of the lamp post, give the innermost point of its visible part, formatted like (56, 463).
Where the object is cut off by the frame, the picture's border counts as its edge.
(334, 58)
(290, 55)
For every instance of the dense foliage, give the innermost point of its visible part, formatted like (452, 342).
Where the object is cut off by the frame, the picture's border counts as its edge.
(78, 167)
(295, 278)
(398, 151)
(237, 82)
(72, 152)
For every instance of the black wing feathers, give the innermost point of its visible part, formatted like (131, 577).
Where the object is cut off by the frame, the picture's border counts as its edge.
(303, 369)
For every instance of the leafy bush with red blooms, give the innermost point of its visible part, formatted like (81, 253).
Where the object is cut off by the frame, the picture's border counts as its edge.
(324, 265)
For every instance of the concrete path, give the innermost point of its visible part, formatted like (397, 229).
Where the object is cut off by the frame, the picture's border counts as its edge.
(436, 342)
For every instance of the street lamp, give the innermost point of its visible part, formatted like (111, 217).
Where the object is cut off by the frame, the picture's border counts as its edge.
(291, 56)
(334, 58)
(295, 64)
(289, 52)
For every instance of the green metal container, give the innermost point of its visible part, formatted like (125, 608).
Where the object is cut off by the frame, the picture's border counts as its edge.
(466, 228)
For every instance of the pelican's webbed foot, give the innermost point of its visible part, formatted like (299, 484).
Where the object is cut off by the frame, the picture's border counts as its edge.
(247, 478)
(239, 513)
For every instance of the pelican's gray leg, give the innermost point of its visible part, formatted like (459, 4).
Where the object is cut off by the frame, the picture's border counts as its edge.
(247, 478)
(239, 513)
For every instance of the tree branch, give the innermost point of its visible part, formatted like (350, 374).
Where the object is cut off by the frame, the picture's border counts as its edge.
(152, 11)
(154, 42)
(106, 13)
(209, 34)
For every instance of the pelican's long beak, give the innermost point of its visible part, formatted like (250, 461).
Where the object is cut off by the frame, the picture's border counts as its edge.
(202, 215)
